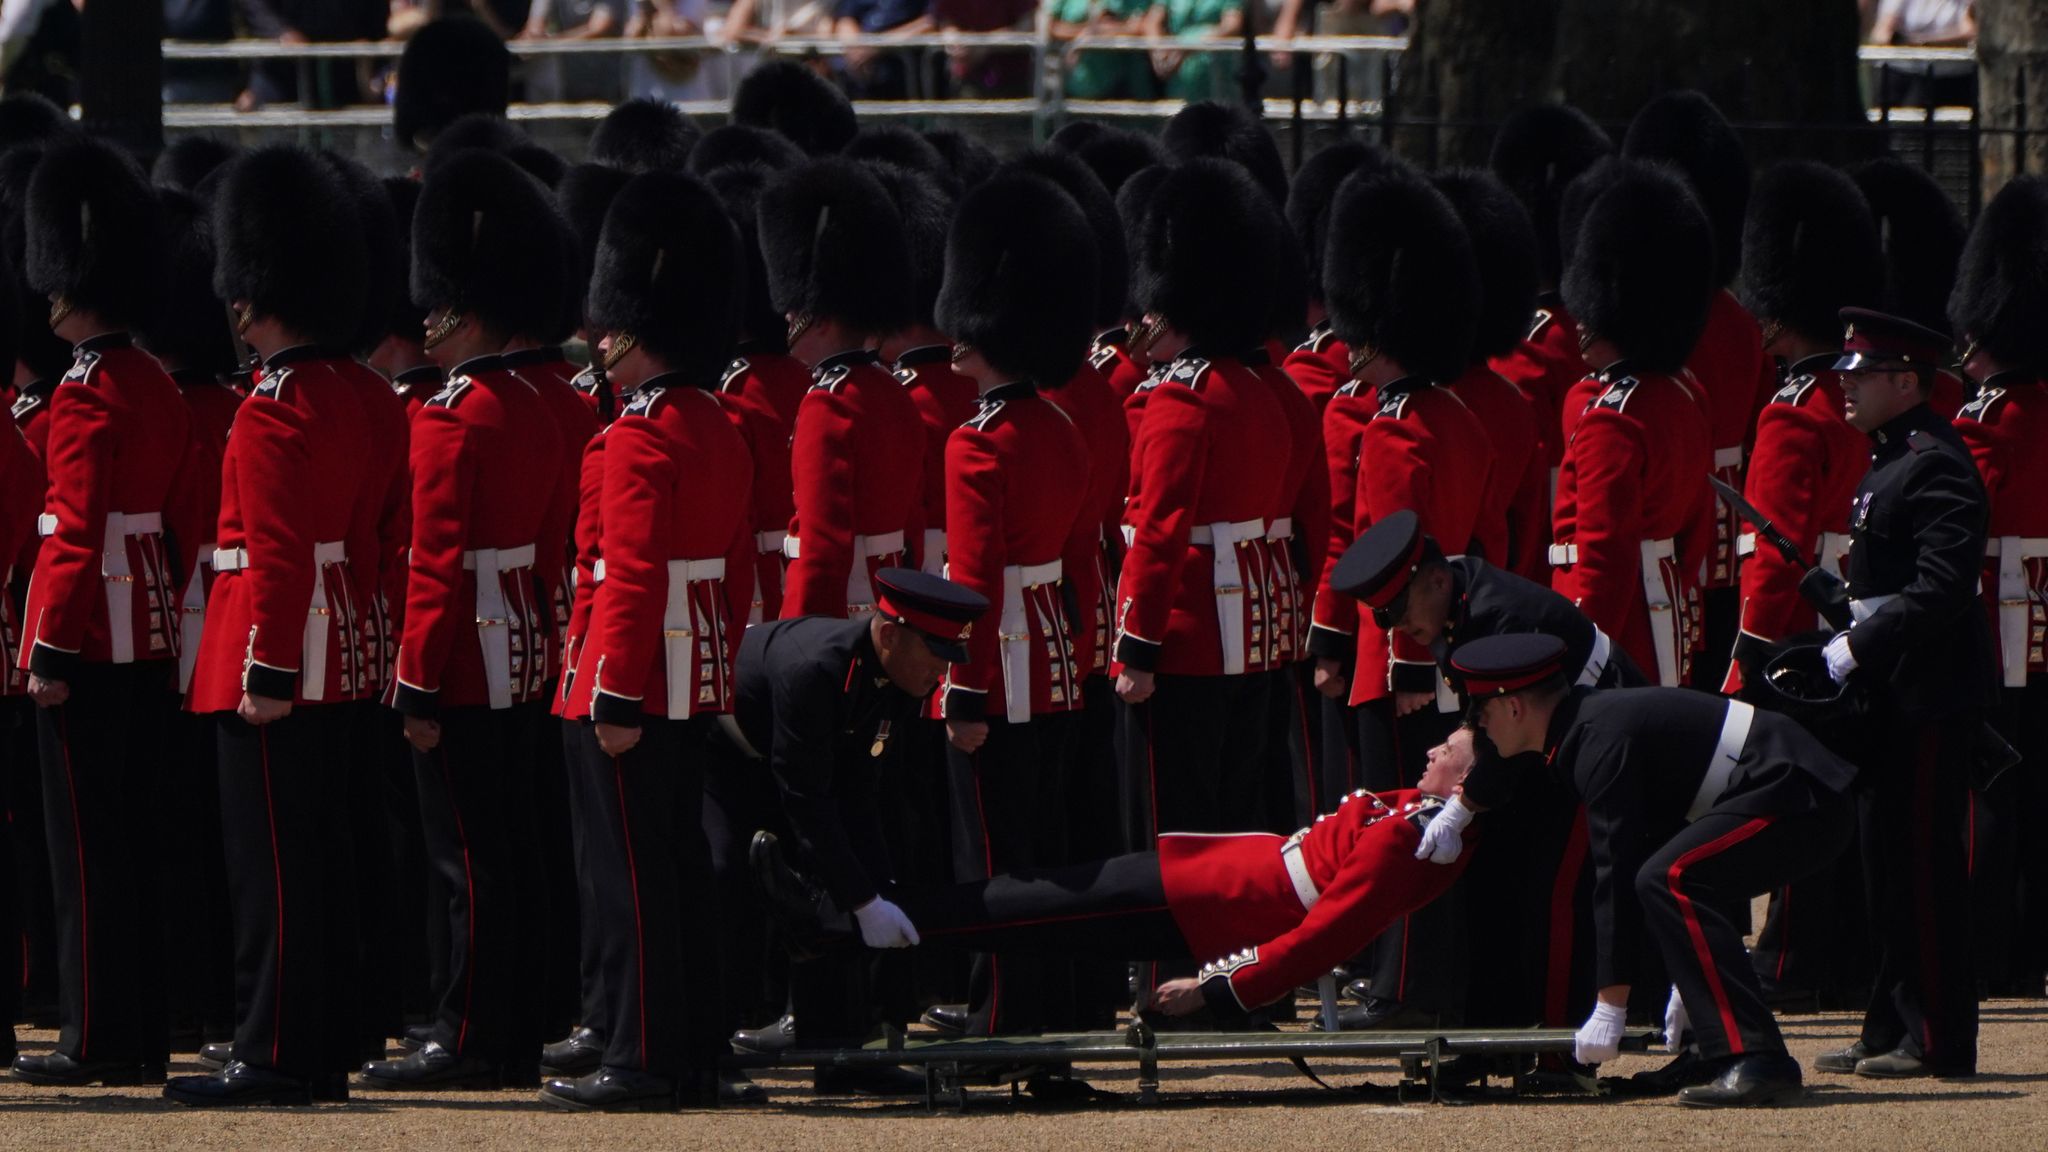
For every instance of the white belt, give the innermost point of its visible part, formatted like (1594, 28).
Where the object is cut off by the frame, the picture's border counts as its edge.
(1728, 457)
(1013, 636)
(597, 571)
(493, 621)
(1727, 753)
(1596, 664)
(1828, 552)
(1281, 529)
(1745, 544)
(1227, 579)
(1663, 620)
(313, 674)
(1864, 609)
(192, 615)
(770, 541)
(935, 551)
(860, 590)
(1561, 555)
(679, 631)
(1130, 532)
(2015, 600)
(116, 573)
(1297, 873)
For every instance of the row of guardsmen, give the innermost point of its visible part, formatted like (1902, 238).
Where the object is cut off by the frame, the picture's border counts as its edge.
(447, 670)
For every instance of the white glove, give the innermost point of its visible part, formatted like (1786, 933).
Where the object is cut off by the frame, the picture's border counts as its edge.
(1675, 1021)
(1599, 1038)
(1442, 840)
(1841, 661)
(883, 925)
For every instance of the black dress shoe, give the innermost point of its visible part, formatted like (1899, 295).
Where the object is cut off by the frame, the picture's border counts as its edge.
(431, 1067)
(579, 1053)
(810, 924)
(1902, 1065)
(1685, 1070)
(735, 1090)
(872, 1080)
(1750, 1082)
(239, 1084)
(1384, 1015)
(1048, 1088)
(215, 1056)
(777, 1037)
(611, 1090)
(59, 1070)
(1843, 1062)
(948, 1018)
(415, 1037)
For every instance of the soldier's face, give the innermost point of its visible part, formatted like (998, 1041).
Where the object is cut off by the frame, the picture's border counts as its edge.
(1872, 399)
(909, 661)
(1509, 723)
(1448, 763)
(1428, 606)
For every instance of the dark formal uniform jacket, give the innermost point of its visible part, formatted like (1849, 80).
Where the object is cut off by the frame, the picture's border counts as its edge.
(1489, 601)
(1513, 531)
(1299, 523)
(477, 628)
(280, 621)
(1729, 365)
(814, 701)
(1091, 402)
(583, 588)
(1634, 481)
(1319, 365)
(945, 400)
(1111, 355)
(21, 499)
(763, 390)
(105, 588)
(1016, 490)
(382, 527)
(1640, 759)
(856, 470)
(1268, 914)
(2006, 430)
(1917, 535)
(1802, 474)
(1424, 451)
(196, 511)
(1207, 463)
(1545, 366)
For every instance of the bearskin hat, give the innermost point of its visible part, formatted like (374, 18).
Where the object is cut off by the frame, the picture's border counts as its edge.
(1229, 132)
(1685, 129)
(2001, 293)
(1504, 248)
(1921, 233)
(30, 118)
(1400, 275)
(1200, 255)
(1075, 133)
(926, 208)
(451, 66)
(1114, 153)
(1133, 200)
(1016, 248)
(11, 328)
(386, 253)
(95, 231)
(539, 162)
(486, 240)
(968, 159)
(739, 189)
(403, 318)
(666, 264)
(740, 144)
(190, 328)
(893, 144)
(42, 351)
(644, 135)
(1641, 267)
(1809, 249)
(280, 213)
(492, 133)
(583, 198)
(835, 245)
(787, 97)
(1308, 201)
(1112, 258)
(1537, 153)
(188, 160)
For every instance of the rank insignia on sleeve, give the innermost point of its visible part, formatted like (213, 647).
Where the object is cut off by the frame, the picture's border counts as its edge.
(81, 368)
(1981, 407)
(1101, 355)
(1617, 394)
(830, 380)
(1393, 406)
(25, 404)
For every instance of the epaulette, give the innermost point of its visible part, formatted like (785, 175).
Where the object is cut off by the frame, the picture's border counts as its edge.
(1101, 355)
(1538, 323)
(644, 402)
(1189, 370)
(1920, 441)
(587, 381)
(26, 403)
(81, 368)
(1795, 389)
(451, 393)
(1617, 394)
(1393, 406)
(980, 420)
(1154, 377)
(1318, 339)
(733, 371)
(904, 376)
(271, 387)
(1981, 407)
(1421, 812)
(830, 379)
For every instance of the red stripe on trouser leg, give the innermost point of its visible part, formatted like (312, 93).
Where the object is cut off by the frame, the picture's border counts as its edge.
(1784, 931)
(1564, 924)
(1931, 1000)
(277, 877)
(84, 902)
(469, 888)
(639, 929)
(1674, 879)
(988, 864)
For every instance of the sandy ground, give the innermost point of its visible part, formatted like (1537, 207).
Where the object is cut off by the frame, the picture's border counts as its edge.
(1203, 1106)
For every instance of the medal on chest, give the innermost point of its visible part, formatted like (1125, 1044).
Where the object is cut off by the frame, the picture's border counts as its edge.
(881, 740)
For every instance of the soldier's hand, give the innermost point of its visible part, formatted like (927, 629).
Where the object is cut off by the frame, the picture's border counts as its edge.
(1134, 687)
(617, 740)
(1444, 839)
(1409, 703)
(1676, 1021)
(967, 735)
(47, 693)
(883, 925)
(1180, 997)
(261, 710)
(422, 733)
(1599, 1038)
(1840, 657)
(1330, 679)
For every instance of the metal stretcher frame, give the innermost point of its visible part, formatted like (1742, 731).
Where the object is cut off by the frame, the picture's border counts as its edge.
(948, 1064)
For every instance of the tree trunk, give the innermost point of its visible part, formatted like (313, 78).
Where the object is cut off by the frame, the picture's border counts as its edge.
(120, 89)
(2012, 89)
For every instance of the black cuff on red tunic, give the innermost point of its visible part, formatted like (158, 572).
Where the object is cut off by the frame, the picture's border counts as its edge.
(1330, 644)
(1406, 677)
(962, 704)
(422, 703)
(52, 663)
(606, 708)
(1142, 655)
(1222, 999)
(270, 683)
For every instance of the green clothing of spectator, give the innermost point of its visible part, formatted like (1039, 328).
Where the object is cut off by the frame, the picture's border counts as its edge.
(1103, 75)
(1194, 75)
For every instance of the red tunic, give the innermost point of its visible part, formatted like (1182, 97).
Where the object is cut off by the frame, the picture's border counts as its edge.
(1320, 365)
(589, 550)
(118, 434)
(1090, 401)
(1514, 525)
(280, 622)
(2006, 428)
(1269, 927)
(1016, 491)
(1545, 367)
(1333, 630)
(1730, 366)
(196, 514)
(665, 622)
(382, 526)
(855, 469)
(31, 411)
(1111, 355)
(553, 378)
(477, 627)
(945, 400)
(763, 391)
(21, 498)
(1299, 525)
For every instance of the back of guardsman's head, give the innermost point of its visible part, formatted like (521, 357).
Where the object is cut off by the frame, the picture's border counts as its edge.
(1399, 277)
(1228, 132)
(895, 144)
(1642, 262)
(486, 241)
(95, 231)
(1921, 232)
(490, 132)
(1199, 255)
(834, 246)
(1537, 153)
(1116, 154)
(187, 161)
(968, 159)
(190, 328)
(1809, 249)
(451, 66)
(387, 254)
(30, 118)
(1315, 186)
(2001, 295)
(644, 135)
(289, 243)
(740, 144)
(788, 97)
(1504, 249)
(44, 353)
(1112, 256)
(402, 318)
(739, 188)
(1018, 247)
(667, 263)
(1685, 130)
(925, 206)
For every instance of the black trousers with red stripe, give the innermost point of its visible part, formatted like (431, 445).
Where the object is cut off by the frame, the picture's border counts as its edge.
(476, 810)
(15, 711)
(1527, 902)
(100, 755)
(290, 861)
(651, 872)
(1695, 893)
(199, 939)
(1191, 756)
(21, 760)
(1110, 908)
(563, 987)
(591, 1011)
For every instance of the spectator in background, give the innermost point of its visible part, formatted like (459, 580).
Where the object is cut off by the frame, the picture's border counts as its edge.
(1926, 24)
(870, 73)
(583, 77)
(1103, 75)
(1186, 72)
(333, 82)
(200, 81)
(668, 75)
(986, 73)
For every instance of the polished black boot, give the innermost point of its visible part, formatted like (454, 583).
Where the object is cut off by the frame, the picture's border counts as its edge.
(611, 1090)
(578, 1054)
(57, 1070)
(950, 1019)
(239, 1085)
(432, 1067)
(768, 1040)
(215, 1056)
(1749, 1082)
